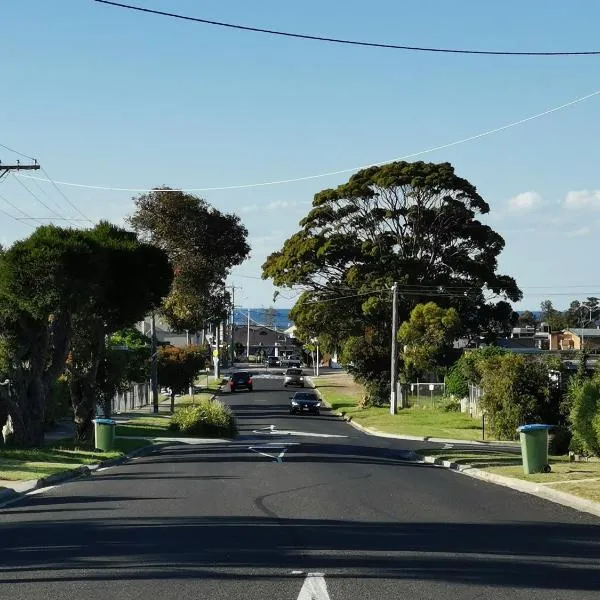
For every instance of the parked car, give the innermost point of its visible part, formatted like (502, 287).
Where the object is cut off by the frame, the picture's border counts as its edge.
(241, 380)
(291, 361)
(273, 361)
(293, 376)
(305, 402)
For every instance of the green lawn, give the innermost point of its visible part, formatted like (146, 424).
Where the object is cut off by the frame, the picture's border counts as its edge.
(19, 464)
(343, 394)
(148, 426)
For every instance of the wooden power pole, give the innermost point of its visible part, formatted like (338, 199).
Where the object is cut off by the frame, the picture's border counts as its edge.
(4, 169)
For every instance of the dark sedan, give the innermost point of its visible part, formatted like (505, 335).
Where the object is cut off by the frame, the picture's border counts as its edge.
(242, 380)
(305, 402)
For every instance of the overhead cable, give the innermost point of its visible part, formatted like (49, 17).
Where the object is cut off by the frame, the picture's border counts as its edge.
(330, 173)
(348, 42)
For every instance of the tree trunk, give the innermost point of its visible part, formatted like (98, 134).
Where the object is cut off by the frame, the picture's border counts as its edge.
(87, 354)
(172, 402)
(83, 414)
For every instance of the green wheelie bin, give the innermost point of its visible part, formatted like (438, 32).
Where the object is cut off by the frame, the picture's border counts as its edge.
(534, 448)
(104, 433)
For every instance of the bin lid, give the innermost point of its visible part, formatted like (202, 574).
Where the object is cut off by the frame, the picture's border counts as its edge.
(104, 421)
(533, 427)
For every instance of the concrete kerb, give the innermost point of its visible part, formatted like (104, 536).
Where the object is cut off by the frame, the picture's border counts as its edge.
(9, 495)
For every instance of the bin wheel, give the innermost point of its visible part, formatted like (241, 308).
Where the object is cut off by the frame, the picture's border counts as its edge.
(547, 468)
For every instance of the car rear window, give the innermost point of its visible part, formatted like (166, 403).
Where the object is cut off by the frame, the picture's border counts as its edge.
(294, 372)
(240, 375)
(305, 396)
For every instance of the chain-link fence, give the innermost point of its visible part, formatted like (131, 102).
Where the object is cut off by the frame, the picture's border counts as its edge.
(137, 396)
(424, 395)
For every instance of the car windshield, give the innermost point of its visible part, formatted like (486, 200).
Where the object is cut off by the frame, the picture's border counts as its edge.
(294, 372)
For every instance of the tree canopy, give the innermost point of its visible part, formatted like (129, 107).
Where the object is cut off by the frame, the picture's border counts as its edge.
(202, 243)
(427, 336)
(414, 223)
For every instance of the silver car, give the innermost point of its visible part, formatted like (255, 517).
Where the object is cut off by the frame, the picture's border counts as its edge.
(294, 376)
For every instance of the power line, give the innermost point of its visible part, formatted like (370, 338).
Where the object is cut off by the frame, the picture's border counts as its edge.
(341, 171)
(39, 200)
(15, 218)
(15, 207)
(17, 152)
(64, 196)
(318, 38)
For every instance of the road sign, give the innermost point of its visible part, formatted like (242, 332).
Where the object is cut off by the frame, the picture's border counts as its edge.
(215, 353)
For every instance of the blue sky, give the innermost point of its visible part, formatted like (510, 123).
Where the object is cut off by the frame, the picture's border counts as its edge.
(108, 97)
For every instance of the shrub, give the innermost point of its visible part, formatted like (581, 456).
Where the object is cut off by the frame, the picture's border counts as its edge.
(514, 392)
(559, 441)
(584, 395)
(456, 381)
(208, 418)
(376, 393)
(450, 404)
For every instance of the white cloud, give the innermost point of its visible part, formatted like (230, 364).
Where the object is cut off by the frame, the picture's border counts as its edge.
(583, 199)
(579, 232)
(249, 208)
(524, 202)
(277, 204)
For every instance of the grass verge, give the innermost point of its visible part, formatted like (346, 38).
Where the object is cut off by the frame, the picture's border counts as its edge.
(343, 394)
(63, 455)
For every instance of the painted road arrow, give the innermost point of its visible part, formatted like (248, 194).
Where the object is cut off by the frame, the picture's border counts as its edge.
(272, 430)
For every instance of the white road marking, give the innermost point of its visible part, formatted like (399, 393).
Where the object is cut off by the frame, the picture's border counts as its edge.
(278, 458)
(447, 446)
(314, 587)
(272, 429)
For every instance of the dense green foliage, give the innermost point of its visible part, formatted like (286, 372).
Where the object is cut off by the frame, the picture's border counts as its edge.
(427, 337)
(61, 292)
(465, 371)
(208, 418)
(414, 223)
(202, 244)
(515, 392)
(584, 396)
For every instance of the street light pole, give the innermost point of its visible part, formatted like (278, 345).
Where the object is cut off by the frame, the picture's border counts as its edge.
(394, 361)
(154, 366)
(248, 338)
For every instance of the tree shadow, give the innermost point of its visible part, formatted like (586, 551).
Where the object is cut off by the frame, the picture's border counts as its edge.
(526, 555)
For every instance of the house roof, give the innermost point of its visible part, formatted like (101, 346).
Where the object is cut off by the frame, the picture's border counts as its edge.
(585, 332)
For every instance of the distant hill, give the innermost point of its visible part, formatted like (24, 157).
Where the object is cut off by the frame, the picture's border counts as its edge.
(260, 316)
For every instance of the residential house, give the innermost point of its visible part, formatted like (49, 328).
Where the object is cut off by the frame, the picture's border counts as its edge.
(165, 335)
(575, 339)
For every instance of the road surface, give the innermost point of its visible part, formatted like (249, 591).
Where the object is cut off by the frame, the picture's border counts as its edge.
(292, 496)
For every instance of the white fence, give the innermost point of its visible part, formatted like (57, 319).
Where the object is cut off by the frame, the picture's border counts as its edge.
(137, 396)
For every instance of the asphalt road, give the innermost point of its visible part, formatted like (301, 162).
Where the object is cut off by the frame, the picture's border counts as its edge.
(292, 495)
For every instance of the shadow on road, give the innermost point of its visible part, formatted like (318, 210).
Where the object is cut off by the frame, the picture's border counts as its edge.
(550, 554)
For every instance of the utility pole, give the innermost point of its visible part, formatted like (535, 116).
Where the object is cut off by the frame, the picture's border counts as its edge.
(394, 362)
(248, 338)
(217, 358)
(232, 324)
(154, 365)
(4, 169)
